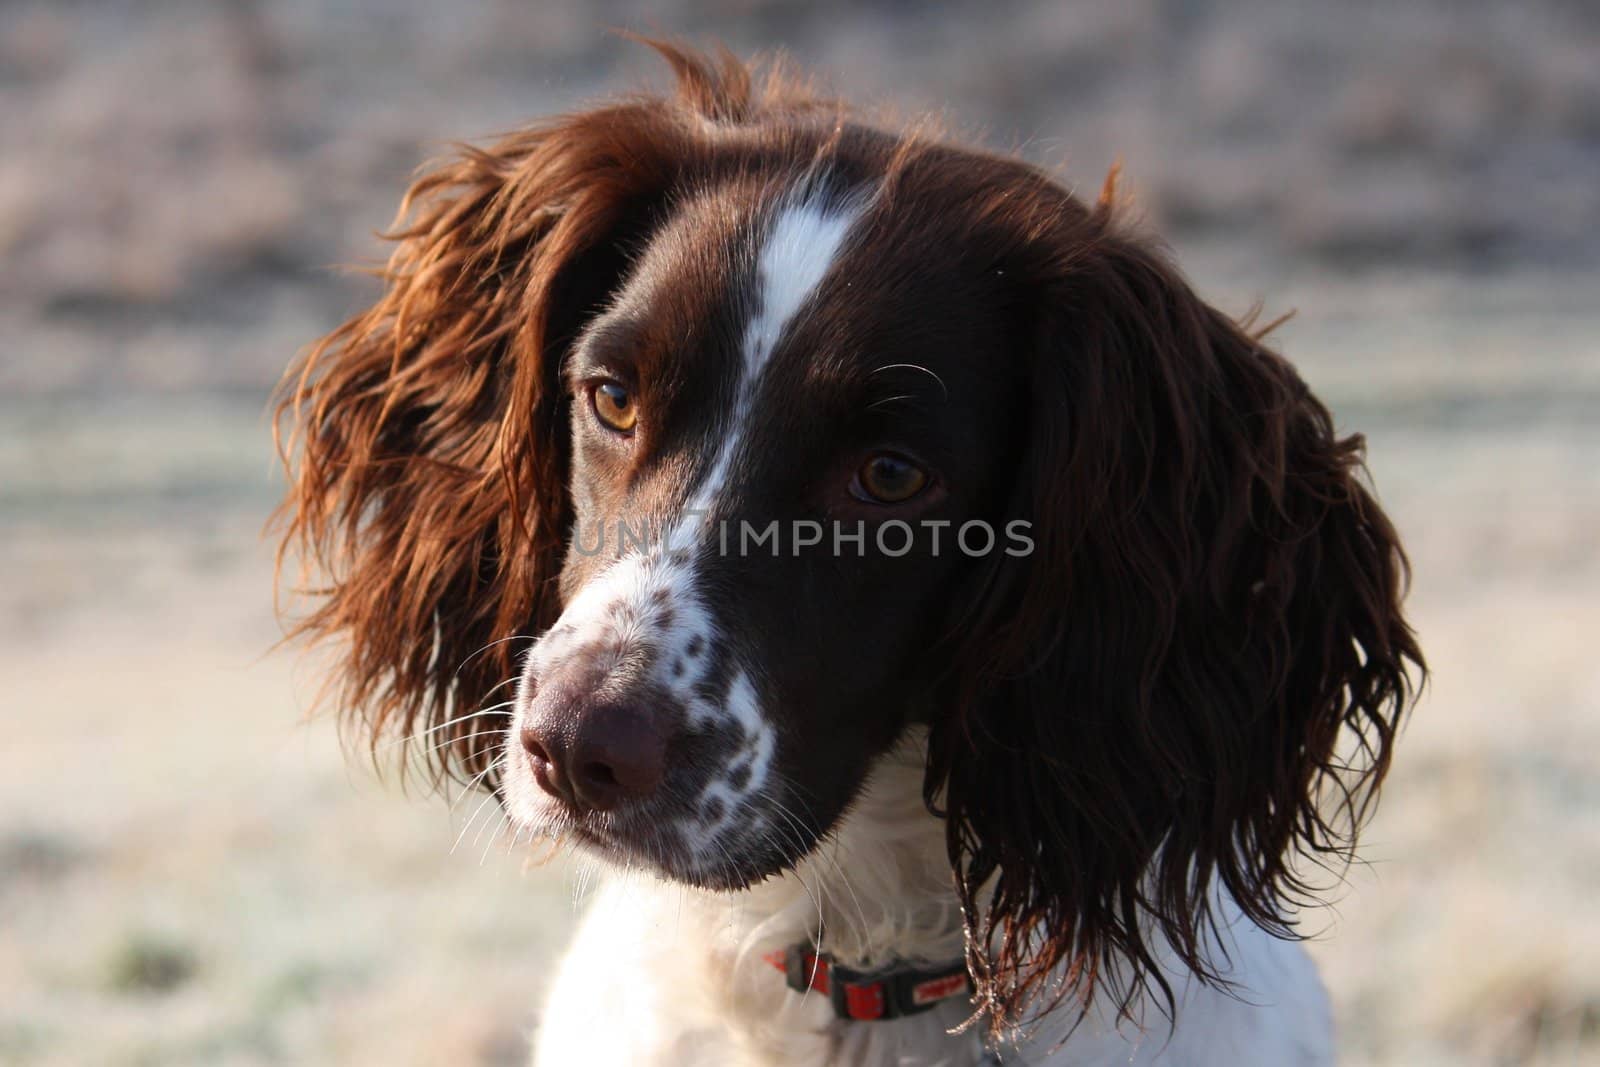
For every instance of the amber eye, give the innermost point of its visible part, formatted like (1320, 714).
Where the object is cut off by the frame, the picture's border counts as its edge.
(889, 479)
(613, 406)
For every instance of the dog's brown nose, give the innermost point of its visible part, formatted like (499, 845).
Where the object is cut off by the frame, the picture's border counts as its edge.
(595, 757)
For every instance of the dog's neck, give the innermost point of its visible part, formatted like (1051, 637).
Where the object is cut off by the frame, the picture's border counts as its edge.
(880, 890)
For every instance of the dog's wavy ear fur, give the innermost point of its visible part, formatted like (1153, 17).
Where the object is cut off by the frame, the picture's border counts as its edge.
(1199, 671)
(425, 439)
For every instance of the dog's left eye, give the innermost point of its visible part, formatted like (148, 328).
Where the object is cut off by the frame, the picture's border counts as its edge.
(887, 478)
(613, 406)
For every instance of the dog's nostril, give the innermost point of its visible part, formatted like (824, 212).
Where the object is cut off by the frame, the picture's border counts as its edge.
(545, 757)
(533, 745)
(599, 774)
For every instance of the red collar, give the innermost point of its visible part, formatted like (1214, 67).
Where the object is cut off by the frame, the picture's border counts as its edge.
(885, 993)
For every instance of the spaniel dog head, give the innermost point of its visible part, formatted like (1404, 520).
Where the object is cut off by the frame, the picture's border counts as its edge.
(630, 491)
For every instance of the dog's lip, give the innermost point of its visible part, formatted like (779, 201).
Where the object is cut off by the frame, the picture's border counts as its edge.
(628, 845)
(611, 831)
(616, 845)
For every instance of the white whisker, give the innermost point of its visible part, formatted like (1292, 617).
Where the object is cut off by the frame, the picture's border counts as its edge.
(420, 734)
(474, 818)
(916, 367)
(471, 656)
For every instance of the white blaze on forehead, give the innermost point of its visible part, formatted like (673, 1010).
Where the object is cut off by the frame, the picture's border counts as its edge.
(804, 240)
(800, 247)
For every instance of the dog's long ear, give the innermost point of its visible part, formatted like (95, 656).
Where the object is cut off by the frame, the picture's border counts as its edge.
(1200, 669)
(425, 439)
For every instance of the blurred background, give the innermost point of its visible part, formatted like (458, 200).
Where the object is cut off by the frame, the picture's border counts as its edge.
(190, 874)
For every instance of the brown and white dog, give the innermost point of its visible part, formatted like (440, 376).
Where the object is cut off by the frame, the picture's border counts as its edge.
(891, 563)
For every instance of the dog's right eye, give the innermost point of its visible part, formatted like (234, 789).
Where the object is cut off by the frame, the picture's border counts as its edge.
(888, 478)
(613, 405)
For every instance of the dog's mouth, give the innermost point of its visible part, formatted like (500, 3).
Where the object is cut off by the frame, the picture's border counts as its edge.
(731, 866)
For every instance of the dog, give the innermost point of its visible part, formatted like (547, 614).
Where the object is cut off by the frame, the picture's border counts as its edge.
(953, 627)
